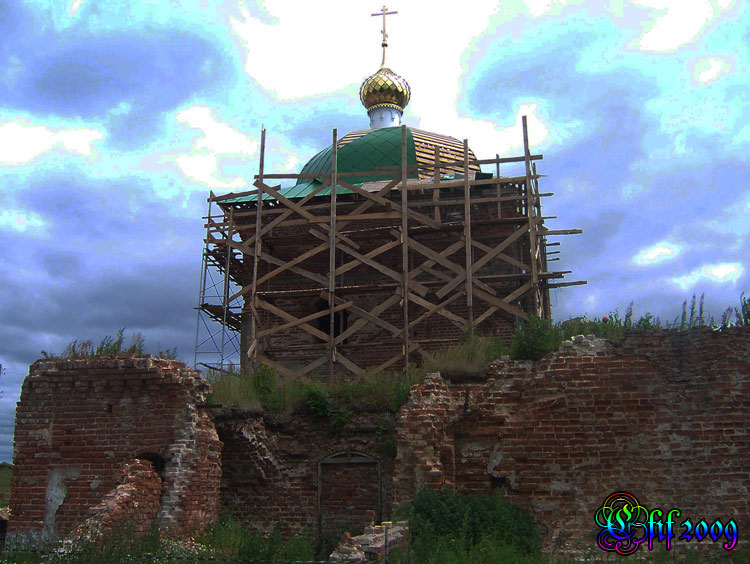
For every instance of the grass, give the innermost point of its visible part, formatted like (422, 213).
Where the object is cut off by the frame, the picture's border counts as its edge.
(227, 540)
(336, 401)
(451, 528)
(387, 392)
(108, 346)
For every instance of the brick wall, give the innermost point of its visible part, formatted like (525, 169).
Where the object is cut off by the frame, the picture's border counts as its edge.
(132, 507)
(662, 416)
(299, 472)
(371, 346)
(79, 421)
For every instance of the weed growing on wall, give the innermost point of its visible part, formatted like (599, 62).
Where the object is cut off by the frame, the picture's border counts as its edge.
(473, 355)
(534, 339)
(108, 346)
(450, 527)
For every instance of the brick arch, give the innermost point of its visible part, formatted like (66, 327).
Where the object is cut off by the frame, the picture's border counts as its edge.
(349, 484)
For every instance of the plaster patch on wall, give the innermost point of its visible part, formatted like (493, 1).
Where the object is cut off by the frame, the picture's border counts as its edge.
(55, 496)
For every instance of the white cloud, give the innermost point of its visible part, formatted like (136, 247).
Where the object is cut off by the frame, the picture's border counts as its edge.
(203, 169)
(218, 140)
(20, 221)
(540, 7)
(657, 253)
(709, 69)
(677, 22)
(75, 6)
(728, 272)
(218, 137)
(23, 142)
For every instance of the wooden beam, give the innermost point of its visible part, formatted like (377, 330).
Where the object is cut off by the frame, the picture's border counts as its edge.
(289, 317)
(395, 358)
(502, 304)
(561, 284)
(294, 262)
(467, 239)
(404, 247)
(353, 368)
(390, 204)
(280, 368)
(332, 256)
(413, 284)
(302, 320)
(496, 254)
(257, 247)
(436, 179)
(371, 317)
(372, 254)
(530, 208)
(458, 321)
(434, 309)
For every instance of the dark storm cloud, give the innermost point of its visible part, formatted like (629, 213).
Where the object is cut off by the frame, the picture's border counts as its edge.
(77, 73)
(112, 256)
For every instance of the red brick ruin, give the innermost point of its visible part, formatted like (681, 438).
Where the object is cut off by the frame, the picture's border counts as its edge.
(662, 416)
(79, 423)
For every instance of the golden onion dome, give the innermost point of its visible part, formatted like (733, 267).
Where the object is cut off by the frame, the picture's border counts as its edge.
(385, 89)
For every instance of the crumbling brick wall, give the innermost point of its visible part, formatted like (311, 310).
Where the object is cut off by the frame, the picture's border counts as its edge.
(662, 416)
(132, 507)
(298, 472)
(79, 421)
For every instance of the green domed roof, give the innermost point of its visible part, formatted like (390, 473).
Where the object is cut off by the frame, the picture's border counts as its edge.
(369, 152)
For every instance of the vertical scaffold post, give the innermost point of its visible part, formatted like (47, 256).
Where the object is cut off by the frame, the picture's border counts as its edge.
(467, 238)
(253, 351)
(499, 192)
(202, 285)
(530, 212)
(436, 180)
(332, 259)
(225, 293)
(405, 247)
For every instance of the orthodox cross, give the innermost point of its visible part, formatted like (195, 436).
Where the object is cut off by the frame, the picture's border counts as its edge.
(384, 12)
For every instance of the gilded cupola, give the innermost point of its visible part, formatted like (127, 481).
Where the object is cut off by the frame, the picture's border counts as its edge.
(385, 93)
(385, 89)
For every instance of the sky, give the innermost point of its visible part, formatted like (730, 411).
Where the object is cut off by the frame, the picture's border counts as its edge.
(118, 117)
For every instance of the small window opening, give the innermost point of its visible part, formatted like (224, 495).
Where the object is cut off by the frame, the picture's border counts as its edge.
(340, 320)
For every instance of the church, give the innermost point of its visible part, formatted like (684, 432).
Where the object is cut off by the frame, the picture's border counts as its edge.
(389, 245)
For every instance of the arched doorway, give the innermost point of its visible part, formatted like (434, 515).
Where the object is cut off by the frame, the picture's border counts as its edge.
(349, 484)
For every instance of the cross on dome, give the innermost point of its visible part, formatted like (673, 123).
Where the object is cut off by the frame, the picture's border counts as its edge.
(385, 93)
(384, 12)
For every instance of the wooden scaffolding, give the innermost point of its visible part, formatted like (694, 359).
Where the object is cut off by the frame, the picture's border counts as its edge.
(385, 258)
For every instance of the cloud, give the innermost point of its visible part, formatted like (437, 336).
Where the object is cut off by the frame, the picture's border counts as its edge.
(22, 141)
(219, 140)
(733, 220)
(720, 273)
(218, 136)
(19, 220)
(709, 69)
(140, 73)
(657, 253)
(676, 24)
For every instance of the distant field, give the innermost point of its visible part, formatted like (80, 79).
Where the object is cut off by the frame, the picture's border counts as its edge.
(5, 472)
